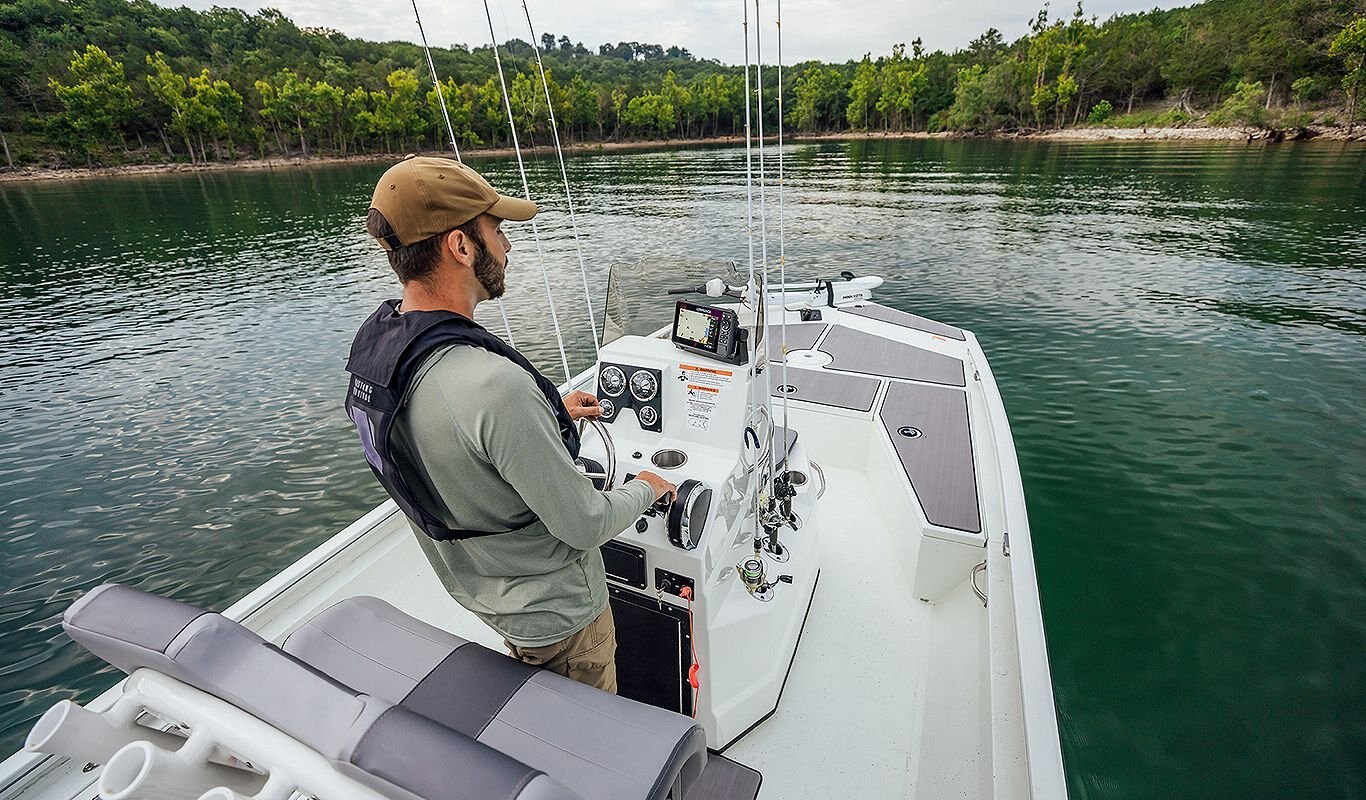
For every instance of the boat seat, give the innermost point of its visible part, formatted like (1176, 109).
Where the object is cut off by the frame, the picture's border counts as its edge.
(394, 750)
(597, 744)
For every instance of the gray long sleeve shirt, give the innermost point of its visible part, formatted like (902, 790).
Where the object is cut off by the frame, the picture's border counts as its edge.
(488, 444)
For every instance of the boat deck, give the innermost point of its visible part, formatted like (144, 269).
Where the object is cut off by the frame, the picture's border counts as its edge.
(876, 667)
(907, 682)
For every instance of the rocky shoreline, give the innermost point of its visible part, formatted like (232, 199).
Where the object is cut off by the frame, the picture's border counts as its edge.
(1191, 134)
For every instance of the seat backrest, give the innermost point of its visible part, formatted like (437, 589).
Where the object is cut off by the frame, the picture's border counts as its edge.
(368, 737)
(599, 744)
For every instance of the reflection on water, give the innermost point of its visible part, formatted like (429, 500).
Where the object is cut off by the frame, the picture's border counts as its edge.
(1177, 331)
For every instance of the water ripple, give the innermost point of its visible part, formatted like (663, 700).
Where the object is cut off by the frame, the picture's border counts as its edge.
(1177, 331)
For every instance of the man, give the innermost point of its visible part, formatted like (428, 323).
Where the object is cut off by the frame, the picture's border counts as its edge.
(472, 442)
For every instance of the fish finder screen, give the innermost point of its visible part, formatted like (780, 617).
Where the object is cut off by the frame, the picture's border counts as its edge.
(696, 327)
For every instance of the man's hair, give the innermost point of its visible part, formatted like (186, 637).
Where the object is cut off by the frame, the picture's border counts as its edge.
(417, 261)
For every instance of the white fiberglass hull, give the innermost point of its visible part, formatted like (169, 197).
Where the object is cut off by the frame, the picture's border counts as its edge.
(905, 684)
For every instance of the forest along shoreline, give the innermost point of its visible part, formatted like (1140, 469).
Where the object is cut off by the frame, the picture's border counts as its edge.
(1183, 134)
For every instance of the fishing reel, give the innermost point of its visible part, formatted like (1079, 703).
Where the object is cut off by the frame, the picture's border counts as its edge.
(776, 512)
(753, 576)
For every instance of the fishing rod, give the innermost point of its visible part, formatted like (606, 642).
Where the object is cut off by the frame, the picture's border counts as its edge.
(564, 174)
(526, 189)
(450, 129)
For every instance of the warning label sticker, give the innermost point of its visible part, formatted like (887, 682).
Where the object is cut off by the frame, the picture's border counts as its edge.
(703, 388)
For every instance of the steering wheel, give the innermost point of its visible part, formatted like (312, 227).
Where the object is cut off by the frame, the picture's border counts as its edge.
(603, 478)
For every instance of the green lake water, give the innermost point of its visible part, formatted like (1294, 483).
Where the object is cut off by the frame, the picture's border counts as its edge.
(1179, 332)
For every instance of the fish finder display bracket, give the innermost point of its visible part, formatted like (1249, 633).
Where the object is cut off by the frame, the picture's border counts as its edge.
(710, 332)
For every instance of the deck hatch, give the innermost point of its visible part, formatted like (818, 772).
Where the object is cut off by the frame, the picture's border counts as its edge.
(800, 336)
(826, 388)
(856, 351)
(939, 461)
(882, 313)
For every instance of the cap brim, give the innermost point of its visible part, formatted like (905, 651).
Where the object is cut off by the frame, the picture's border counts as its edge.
(513, 209)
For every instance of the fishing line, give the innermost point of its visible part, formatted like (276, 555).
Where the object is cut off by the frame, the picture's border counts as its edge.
(526, 189)
(763, 229)
(754, 288)
(564, 174)
(782, 242)
(441, 97)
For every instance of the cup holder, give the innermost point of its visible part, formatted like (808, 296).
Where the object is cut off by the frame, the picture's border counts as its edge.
(669, 458)
(796, 478)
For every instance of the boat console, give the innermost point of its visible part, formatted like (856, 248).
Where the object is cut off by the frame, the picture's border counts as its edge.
(707, 623)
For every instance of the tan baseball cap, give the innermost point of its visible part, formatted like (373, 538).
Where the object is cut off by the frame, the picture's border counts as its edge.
(422, 196)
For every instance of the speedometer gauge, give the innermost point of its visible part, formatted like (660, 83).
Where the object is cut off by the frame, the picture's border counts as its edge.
(644, 386)
(612, 380)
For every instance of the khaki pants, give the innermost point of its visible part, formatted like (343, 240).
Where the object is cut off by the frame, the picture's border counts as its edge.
(589, 656)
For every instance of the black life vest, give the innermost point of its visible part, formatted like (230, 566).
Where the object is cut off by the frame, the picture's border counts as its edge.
(385, 355)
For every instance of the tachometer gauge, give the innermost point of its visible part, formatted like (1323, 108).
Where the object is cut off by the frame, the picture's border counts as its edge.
(644, 386)
(612, 380)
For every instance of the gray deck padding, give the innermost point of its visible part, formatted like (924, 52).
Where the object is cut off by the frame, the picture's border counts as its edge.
(856, 351)
(800, 336)
(826, 388)
(905, 320)
(724, 779)
(939, 463)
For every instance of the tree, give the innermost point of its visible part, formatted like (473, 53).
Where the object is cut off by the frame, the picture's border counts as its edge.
(215, 108)
(169, 88)
(1197, 60)
(95, 104)
(680, 99)
(822, 94)
(329, 104)
(971, 109)
(296, 100)
(528, 105)
(459, 107)
(1350, 45)
(1134, 53)
(1243, 107)
(650, 113)
(987, 49)
(398, 111)
(863, 94)
(902, 80)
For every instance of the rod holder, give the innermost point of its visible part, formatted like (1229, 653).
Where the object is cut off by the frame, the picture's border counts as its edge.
(143, 771)
(67, 729)
(221, 793)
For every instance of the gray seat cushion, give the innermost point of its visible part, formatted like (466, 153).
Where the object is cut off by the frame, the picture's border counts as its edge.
(366, 736)
(597, 744)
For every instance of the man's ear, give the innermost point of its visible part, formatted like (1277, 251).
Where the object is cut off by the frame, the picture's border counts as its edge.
(459, 246)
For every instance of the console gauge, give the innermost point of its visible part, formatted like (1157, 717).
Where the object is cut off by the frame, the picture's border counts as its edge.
(608, 409)
(648, 416)
(644, 386)
(612, 380)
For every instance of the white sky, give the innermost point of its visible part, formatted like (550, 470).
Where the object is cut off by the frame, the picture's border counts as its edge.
(828, 30)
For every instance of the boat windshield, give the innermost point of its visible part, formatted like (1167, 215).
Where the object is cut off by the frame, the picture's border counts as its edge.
(638, 299)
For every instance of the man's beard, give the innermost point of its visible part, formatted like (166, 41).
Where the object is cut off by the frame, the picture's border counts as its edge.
(488, 271)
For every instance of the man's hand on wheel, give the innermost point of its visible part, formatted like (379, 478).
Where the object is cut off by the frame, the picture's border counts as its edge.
(662, 487)
(582, 404)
